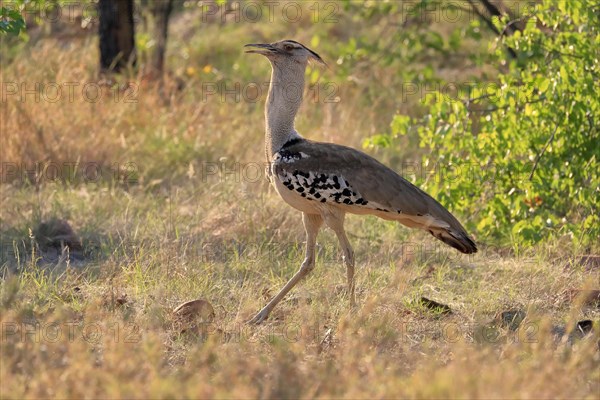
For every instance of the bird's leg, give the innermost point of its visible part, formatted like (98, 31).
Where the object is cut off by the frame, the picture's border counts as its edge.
(336, 223)
(349, 262)
(312, 223)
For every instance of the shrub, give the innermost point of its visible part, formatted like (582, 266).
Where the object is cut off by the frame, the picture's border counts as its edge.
(520, 156)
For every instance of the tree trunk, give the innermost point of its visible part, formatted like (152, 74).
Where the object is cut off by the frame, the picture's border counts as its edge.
(116, 31)
(161, 11)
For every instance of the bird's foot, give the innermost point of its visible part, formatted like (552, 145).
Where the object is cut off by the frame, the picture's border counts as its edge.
(259, 318)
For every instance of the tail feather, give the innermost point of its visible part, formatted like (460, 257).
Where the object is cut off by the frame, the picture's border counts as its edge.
(459, 240)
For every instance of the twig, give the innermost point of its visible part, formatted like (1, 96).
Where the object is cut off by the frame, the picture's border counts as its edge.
(468, 101)
(510, 24)
(550, 139)
(494, 11)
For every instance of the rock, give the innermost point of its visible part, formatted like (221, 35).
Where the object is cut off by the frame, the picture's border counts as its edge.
(193, 315)
(435, 306)
(121, 300)
(511, 319)
(582, 329)
(56, 234)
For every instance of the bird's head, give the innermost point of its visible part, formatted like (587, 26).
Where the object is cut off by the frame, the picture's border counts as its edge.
(285, 52)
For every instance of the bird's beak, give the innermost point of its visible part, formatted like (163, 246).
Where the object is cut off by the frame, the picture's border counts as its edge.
(268, 49)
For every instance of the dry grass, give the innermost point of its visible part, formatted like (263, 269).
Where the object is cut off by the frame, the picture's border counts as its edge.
(103, 327)
(159, 230)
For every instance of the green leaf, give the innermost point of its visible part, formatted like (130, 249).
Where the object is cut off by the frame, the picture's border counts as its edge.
(11, 21)
(544, 110)
(380, 140)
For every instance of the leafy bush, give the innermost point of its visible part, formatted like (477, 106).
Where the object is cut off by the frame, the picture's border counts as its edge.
(520, 156)
(11, 21)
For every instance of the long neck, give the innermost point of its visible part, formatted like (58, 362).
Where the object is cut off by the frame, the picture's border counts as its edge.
(283, 101)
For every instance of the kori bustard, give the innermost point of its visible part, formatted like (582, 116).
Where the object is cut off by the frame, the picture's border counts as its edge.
(325, 180)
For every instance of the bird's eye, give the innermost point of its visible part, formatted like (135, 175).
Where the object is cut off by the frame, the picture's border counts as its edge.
(288, 47)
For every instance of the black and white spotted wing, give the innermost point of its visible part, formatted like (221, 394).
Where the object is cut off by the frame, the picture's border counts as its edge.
(347, 176)
(312, 178)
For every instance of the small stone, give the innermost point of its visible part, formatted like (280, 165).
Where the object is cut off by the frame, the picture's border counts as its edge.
(195, 310)
(435, 306)
(511, 319)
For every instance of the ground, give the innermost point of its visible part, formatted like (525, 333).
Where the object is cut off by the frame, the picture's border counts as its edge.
(163, 200)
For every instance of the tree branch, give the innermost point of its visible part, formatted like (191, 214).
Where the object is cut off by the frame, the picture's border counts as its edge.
(494, 11)
(537, 160)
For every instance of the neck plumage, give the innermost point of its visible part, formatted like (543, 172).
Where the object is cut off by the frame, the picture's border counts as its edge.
(283, 101)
